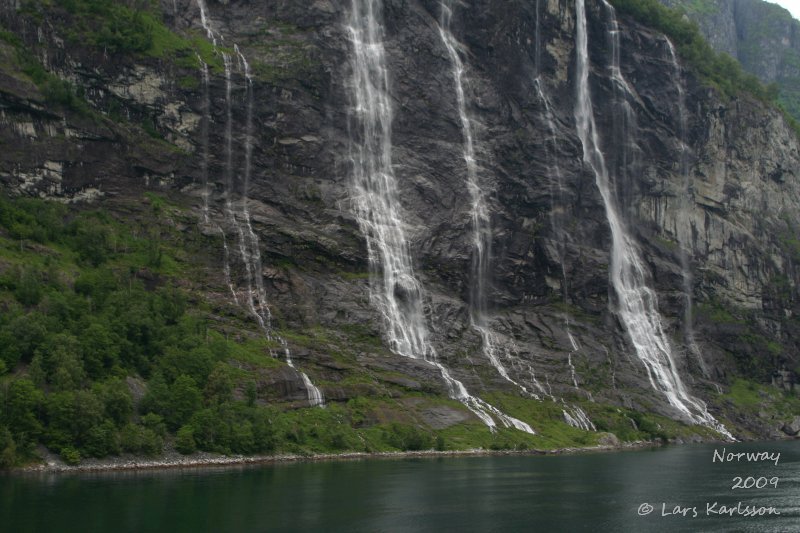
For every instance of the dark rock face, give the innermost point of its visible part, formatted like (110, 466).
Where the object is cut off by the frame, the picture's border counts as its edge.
(740, 200)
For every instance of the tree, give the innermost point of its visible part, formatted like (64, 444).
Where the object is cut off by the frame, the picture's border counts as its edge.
(185, 400)
(22, 403)
(184, 440)
(100, 348)
(117, 400)
(20, 338)
(57, 361)
(8, 449)
(219, 387)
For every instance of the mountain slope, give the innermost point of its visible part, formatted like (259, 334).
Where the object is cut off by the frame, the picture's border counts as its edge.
(243, 121)
(762, 36)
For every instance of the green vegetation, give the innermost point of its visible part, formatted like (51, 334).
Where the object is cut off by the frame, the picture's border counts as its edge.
(629, 425)
(547, 419)
(715, 312)
(91, 312)
(78, 319)
(702, 7)
(716, 69)
(747, 348)
(57, 92)
(102, 352)
(121, 28)
(282, 59)
(766, 22)
(767, 403)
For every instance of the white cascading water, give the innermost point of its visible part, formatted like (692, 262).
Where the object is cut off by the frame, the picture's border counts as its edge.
(230, 216)
(206, 118)
(481, 222)
(577, 418)
(637, 304)
(205, 121)
(210, 33)
(246, 253)
(251, 251)
(394, 288)
(684, 224)
(248, 244)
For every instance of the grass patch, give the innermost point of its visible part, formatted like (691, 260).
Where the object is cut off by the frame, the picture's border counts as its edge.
(747, 395)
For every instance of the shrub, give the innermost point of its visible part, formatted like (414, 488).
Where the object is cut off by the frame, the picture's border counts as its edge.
(70, 455)
(101, 440)
(8, 449)
(184, 440)
(140, 440)
(407, 437)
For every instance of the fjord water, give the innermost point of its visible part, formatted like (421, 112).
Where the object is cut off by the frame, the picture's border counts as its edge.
(591, 492)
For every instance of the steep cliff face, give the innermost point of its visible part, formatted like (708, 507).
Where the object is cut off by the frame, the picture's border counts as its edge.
(706, 188)
(763, 36)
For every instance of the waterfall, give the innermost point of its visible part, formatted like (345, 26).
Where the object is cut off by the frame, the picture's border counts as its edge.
(206, 118)
(230, 216)
(394, 288)
(637, 304)
(205, 121)
(537, 60)
(684, 224)
(558, 227)
(576, 417)
(399, 298)
(249, 249)
(479, 213)
(210, 33)
(315, 397)
(238, 217)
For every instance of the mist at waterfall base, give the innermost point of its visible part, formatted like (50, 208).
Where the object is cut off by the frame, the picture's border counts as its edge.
(591, 492)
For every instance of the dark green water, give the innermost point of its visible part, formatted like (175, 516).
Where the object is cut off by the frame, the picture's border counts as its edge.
(592, 492)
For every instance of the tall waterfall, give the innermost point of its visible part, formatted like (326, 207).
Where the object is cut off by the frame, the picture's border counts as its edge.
(637, 304)
(479, 212)
(238, 216)
(394, 288)
(204, 124)
(684, 224)
(206, 193)
(399, 298)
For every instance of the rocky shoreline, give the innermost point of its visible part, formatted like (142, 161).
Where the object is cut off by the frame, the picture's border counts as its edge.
(174, 460)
